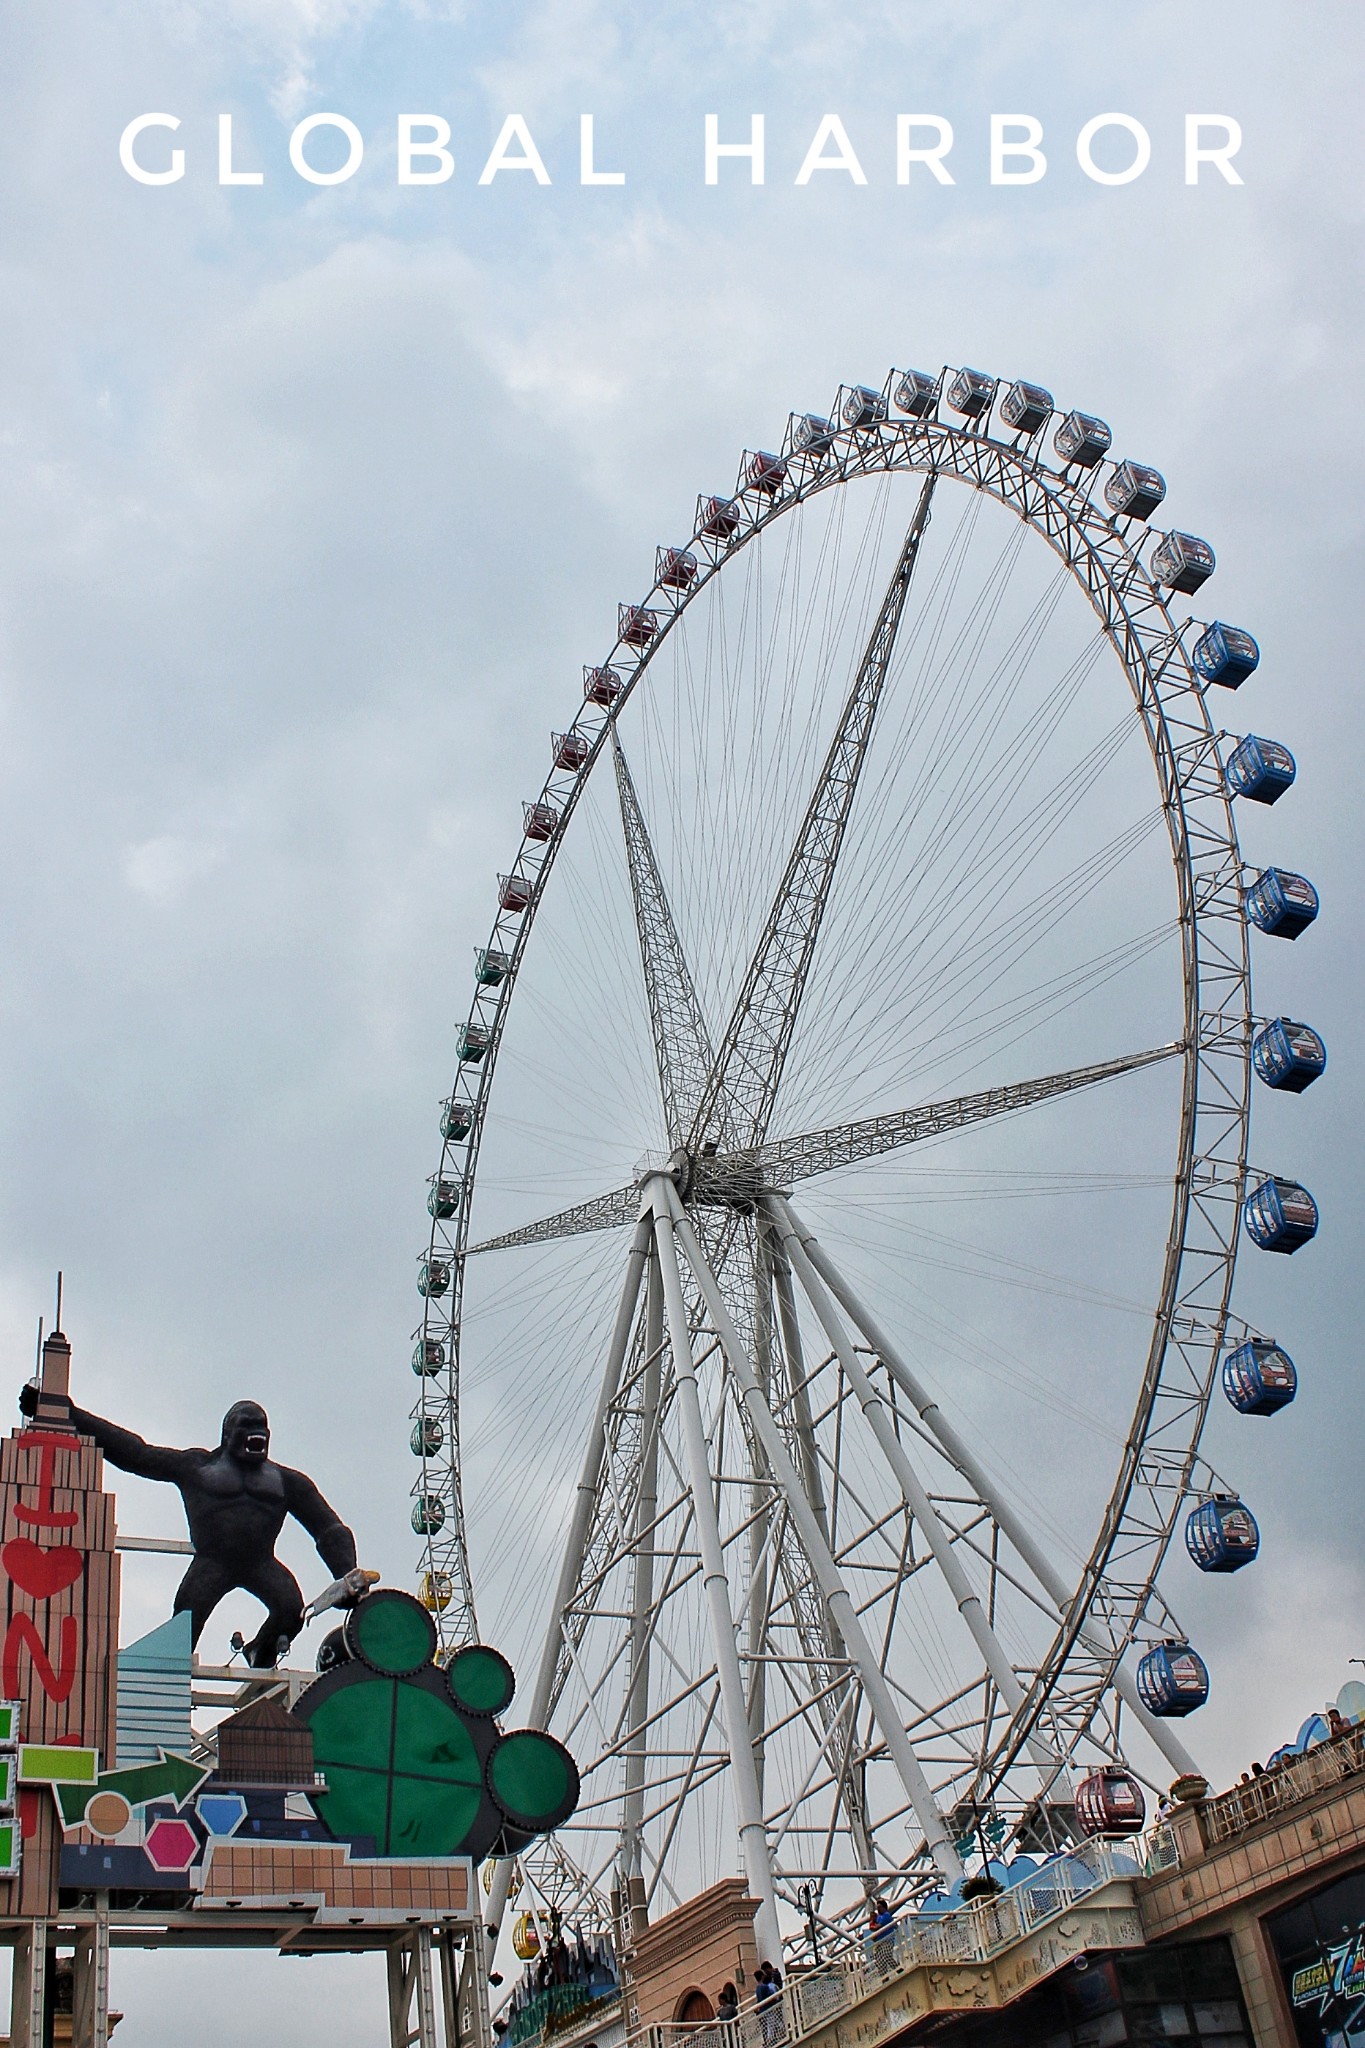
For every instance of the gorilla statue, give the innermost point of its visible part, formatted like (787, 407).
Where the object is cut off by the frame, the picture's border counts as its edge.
(236, 1500)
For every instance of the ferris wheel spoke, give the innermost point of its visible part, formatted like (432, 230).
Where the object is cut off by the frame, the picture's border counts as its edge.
(683, 1053)
(602, 1212)
(790, 1159)
(748, 1067)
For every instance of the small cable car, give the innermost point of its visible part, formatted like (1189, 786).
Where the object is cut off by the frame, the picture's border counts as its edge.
(1281, 903)
(1172, 1680)
(1134, 491)
(570, 749)
(917, 393)
(429, 1357)
(1288, 1055)
(1221, 1535)
(473, 1043)
(539, 821)
(766, 473)
(433, 1278)
(717, 518)
(971, 392)
(1258, 1377)
(491, 966)
(1082, 439)
(525, 1939)
(1026, 407)
(811, 435)
(1261, 770)
(636, 626)
(514, 893)
(427, 1437)
(674, 568)
(436, 1590)
(1183, 562)
(862, 407)
(456, 1120)
(1280, 1215)
(1225, 654)
(601, 685)
(428, 1513)
(443, 1199)
(1110, 1802)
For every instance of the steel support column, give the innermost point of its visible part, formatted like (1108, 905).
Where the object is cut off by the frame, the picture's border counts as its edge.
(753, 1836)
(827, 1575)
(1010, 1524)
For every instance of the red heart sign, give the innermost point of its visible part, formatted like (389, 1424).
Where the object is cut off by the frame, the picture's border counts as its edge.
(41, 1573)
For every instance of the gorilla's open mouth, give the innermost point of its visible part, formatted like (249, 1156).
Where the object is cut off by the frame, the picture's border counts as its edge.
(256, 1442)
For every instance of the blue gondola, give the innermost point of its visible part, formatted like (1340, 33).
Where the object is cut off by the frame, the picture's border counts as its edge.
(1288, 1055)
(474, 1042)
(444, 1198)
(1172, 1680)
(1083, 439)
(1221, 1535)
(1134, 491)
(1259, 769)
(1183, 561)
(1225, 654)
(429, 1357)
(1258, 1377)
(1280, 1215)
(1281, 903)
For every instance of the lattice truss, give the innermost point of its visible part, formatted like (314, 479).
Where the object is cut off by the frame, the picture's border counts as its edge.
(857, 843)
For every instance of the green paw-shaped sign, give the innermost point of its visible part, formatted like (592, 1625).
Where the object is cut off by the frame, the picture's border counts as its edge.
(412, 1752)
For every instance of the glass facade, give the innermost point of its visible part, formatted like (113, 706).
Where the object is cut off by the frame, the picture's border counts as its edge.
(1186, 1992)
(1320, 1947)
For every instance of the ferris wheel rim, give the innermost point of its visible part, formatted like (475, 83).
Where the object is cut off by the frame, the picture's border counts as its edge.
(1137, 621)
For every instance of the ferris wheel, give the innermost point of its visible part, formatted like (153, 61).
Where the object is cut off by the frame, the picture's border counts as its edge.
(833, 1237)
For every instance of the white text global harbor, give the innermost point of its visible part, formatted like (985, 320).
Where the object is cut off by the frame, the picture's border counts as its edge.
(329, 149)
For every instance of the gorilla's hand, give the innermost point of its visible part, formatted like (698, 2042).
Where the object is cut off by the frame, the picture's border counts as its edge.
(28, 1397)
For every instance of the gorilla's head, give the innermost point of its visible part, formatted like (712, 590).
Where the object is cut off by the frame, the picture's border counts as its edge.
(246, 1432)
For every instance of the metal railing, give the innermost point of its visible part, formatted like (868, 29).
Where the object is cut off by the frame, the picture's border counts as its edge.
(969, 1934)
(1283, 1785)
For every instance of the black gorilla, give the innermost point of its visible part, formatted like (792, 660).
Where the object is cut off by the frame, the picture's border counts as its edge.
(236, 1499)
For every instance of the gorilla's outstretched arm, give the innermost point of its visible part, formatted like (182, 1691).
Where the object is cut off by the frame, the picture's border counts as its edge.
(133, 1453)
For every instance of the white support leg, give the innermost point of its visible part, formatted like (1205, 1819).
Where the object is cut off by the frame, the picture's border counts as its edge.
(1010, 1524)
(642, 1591)
(581, 1520)
(827, 1575)
(753, 1836)
(913, 1491)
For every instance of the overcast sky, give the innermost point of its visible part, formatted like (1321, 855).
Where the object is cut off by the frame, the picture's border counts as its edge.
(314, 499)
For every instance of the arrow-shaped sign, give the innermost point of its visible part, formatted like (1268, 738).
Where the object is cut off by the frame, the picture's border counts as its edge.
(176, 1777)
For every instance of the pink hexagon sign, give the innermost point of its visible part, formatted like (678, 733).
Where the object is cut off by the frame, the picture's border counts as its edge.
(171, 1844)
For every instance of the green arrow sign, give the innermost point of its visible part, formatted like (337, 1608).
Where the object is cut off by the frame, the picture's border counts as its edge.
(175, 1777)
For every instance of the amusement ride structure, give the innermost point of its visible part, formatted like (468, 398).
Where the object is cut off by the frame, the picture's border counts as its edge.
(897, 827)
